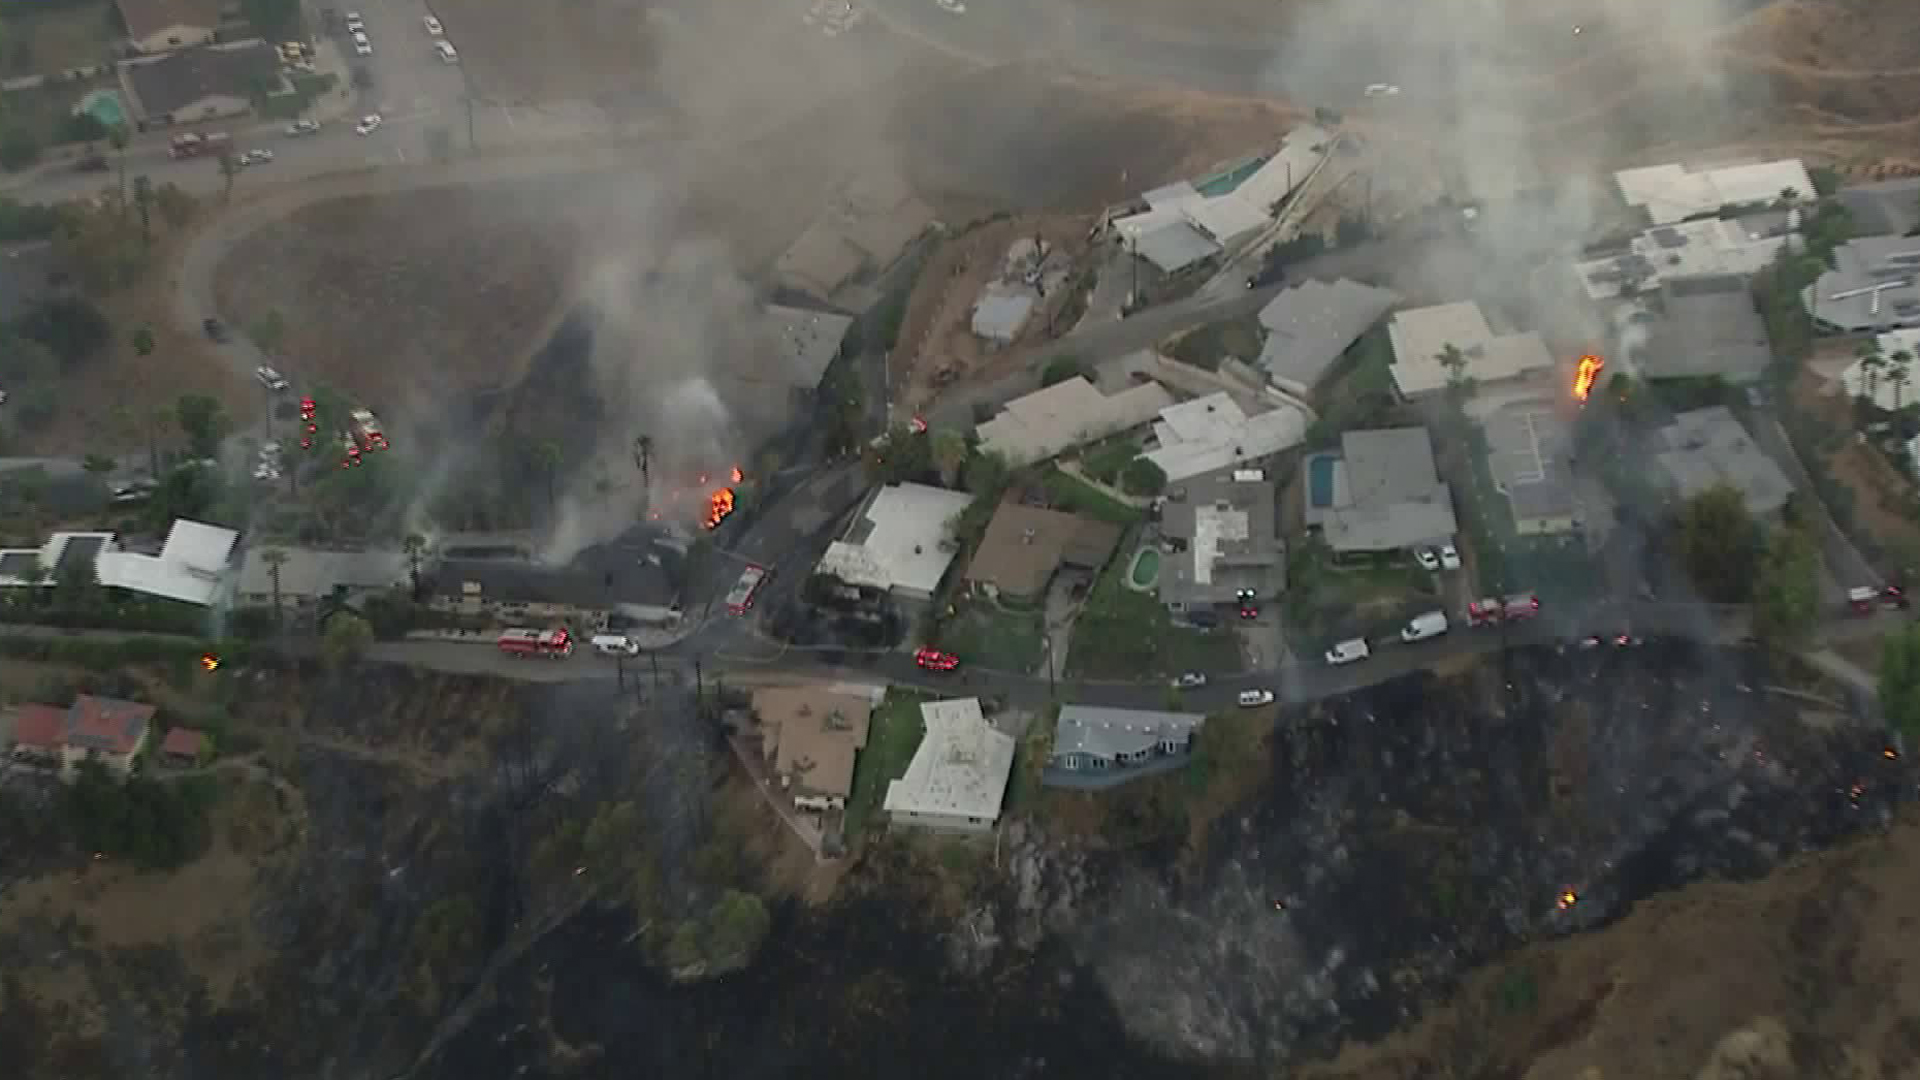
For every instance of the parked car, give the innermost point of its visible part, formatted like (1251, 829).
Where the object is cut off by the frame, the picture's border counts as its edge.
(1449, 557)
(302, 127)
(368, 124)
(256, 157)
(1429, 559)
(1349, 652)
(1190, 680)
(1426, 625)
(935, 660)
(361, 45)
(270, 379)
(354, 24)
(433, 26)
(1253, 699)
(446, 52)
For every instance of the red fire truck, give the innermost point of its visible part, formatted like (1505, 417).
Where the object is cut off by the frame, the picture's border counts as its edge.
(554, 644)
(195, 144)
(1490, 610)
(740, 600)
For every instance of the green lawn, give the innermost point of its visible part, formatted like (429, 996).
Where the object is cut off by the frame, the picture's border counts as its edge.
(1103, 461)
(983, 634)
(891, 741)
(1074, 495)
(1208, 346)
(1329, 601)
(1124, 634)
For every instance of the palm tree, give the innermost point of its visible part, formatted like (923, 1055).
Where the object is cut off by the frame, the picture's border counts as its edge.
(229, 168)
(414, 545)
(118, 138)
(275, 559)
(143, 345)
(546, 455)
(1871, 362)
(143, 201)
(643, 457)
(1454, 360)
(1899, 373)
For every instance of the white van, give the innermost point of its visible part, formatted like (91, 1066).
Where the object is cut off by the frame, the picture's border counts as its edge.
(1348, 652)
(1421, 627)
(447, 55)
(615, 645)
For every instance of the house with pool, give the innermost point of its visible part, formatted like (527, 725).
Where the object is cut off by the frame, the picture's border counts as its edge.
(1378, 493)
(1220, 532)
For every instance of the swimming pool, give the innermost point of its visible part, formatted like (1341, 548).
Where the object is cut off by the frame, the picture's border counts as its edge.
(104, 106)
(1320, 480)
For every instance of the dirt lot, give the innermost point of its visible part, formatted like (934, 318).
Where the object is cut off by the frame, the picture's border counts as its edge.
(456, 307)
(57, 38)
(1879, 489)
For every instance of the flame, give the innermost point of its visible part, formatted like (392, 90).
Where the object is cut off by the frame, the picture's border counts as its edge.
(737, 475)
(719, 505)
(1568, 898)
(1583, 379)
(209, 661)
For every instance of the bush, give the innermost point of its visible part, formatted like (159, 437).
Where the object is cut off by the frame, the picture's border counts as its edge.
(80, 128)
(155, 825)
(26, 221)
(18, 148)
(1142, 477)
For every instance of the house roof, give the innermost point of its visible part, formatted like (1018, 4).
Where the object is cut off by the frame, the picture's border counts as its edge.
(1229, 522)
(1419, 335)
(1107, 733)
(1227, 218)
(1309, 325)
(107, 724)
(29, 274)
(1057, 418)
(961, 767)
(188, 568)
(1708, 447)
(1173, 246)
(821, 260)
(1709, 246)
(145, 18)
(1002, 310)
(1709, 327)
(900, 541)
(1670, 193)
(808, 341)
(1300, 153)
(1024, 545)
(183, 742)
(168, 83)
(1212, 433)
(43, 727)
(1529, 452)
(1889, 206)
(818, 730)
(1871, 286)
(310, 572)
(1386, 493)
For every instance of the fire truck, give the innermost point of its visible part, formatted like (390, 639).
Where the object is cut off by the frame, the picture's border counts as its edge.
(365, 429)
(196, 144)
(554, 644)
(740, 600)
(1492, 610)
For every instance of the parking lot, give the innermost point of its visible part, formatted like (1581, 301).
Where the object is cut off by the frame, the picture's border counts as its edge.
(404, 80)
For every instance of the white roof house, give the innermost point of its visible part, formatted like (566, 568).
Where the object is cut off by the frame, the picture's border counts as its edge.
(1879, 384)
(189, 568)
(42, 565)
(1057, 418)
(1181, 226)
(1213, 432)
(958, 777)
(900, 543)
(1703, 248)
(1300, 153)
(1419, 335)
(1670, 193)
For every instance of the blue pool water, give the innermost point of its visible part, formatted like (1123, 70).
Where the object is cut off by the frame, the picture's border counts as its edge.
(1320, 480)
(104, 106)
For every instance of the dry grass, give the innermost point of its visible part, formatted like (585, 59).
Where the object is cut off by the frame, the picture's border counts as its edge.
(1879, 489)
(515, 51)
(56, 37)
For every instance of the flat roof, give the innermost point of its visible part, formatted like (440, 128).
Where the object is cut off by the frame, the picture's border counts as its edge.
(808, 341)
(821, 260)
(1002, 311)
(1670, 193)
(172, 81)
(1886, 207)
(1709, 327)
(1386, 493)
(1708, 447)
(961, 767)
(312, 572)
(189, 567)
(1420, 334)
(1529, 449)
(1173, 246)
(1871, 286)
(1212, 433)
(1710, 246)
(1311, 324)
(1057, 418)
(901, 540)
(1108, 733)
(1229, 521)
(1300, 153)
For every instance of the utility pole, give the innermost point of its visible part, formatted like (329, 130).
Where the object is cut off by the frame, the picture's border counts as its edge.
(699, 685)
(472, 146)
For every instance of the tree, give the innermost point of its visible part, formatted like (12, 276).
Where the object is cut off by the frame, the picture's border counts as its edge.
(1899, 374)
(275, 559)
(229, 169)
(1787, 590)
(1142, 477)
(176, 206)
(143, 201)
(986, 472)
(1059, 370)
(643, 457)
(347, 637)
(97, 464)
(414, 545)
(18, 147)
(949, 452)
(1871, 364)
(1454, 361)
(76, 582)
(736, 926)
(1719, 544)
(203, 422)
(118, 139)
(1900, 681)
(71, 326)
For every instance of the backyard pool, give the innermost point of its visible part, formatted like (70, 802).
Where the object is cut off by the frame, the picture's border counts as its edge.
(1320, 480)
(1146, 569)
(104, 106)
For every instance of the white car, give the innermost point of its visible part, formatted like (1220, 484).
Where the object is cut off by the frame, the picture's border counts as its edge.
(1190, 680)
(270, 378)
(256, 157)
(433, 26)
(446, 53)
(1428, 559)
(954, 7)
(302, 127)
(368, 124)
(1449, 557)
(1349, 652)
(361, 45)
(1380, 89)
(353, 21)
(1253, 699)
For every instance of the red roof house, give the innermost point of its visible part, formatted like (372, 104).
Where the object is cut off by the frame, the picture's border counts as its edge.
(183, 742)
(108, 725)
(39, 729)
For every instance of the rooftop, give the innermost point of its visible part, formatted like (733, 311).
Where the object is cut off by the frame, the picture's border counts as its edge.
(1889, 207)
(1213, 432)
(1057, 418)
(145, 18)
(1385, 493)
(1231, 527)
(1529, 452)
(1024, 545)
(1708, 447)
(1871, 287)
(1420, 335)
(171, 82)
(808, 341)
(1671, 193)
(1709, 327)
(183, 742)
(42, 565)
(820, 261)
(311, 572)
(902, 541)
(1311, 324)
(1710, 246)
(43, 727)
(961, 767)
(1171, 246)
(815, 732)
(1108, 733)
(107, 724)
(188, 568)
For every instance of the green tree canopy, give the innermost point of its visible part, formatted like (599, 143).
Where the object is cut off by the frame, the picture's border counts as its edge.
(203, 422)
(1142, 477)
(736, 926)
(1786, 593)
(1059, 370)
(347, 636)
(1900, 681)
(1719, 544)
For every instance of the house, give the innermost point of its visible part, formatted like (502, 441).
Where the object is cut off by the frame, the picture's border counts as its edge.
(1530, 454)
(1672, 193)
(1380, 493)
(161, 26)
(1871, 287)
(204, 83)
(1212, 433)
(30, 275)
(183, 746)
(1097, 747)
(1070, 413)
(1887, 377)
(1180, 225)
(108, 731)
(865, 232)
(1705, 327)
(191, 566)
(1885, 208)
(308, 575)
(807, 342)
(45, 565)
(957, 779)
(1709, 447)
(1025, 546)
(811, 735)
(902, 542)
(1310, 325)
(1421, 336)
(1222, 533)
(1708, 247)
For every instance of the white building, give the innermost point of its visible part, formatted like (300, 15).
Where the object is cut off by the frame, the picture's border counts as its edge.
(1709, 247)
(1181, 226)
(1670, 193)
(902, 542)
(958, 777)
(1057, 418)
(1421, 335)
(1213, 432)
(191, 566)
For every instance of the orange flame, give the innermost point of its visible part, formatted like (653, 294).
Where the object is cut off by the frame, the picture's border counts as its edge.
(738, 476)
(719, 505)
(1583, 379)
(1568, 898)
